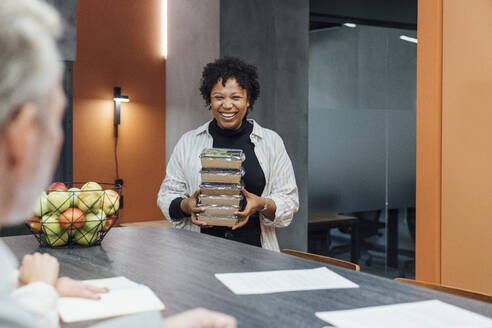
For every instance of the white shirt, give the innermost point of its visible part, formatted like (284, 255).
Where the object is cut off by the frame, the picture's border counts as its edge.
(38, 299)
(35, 304)
(183, 178)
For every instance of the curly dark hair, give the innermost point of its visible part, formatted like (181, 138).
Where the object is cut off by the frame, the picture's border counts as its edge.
(226, 68)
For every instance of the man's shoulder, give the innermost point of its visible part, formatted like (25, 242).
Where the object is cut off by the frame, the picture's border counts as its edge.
(13, 315)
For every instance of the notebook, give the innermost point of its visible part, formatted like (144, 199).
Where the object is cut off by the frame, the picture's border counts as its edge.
(124, 297)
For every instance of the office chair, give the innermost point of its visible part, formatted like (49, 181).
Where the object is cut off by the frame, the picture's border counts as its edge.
(323, 259)
(448, 289)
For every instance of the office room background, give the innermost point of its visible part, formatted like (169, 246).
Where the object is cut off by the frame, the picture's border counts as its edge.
(344, 88)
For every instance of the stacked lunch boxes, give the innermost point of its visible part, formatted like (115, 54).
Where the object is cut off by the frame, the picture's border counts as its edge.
(221, 186)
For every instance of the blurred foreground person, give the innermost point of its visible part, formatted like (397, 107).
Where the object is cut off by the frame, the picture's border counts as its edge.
(32, 103)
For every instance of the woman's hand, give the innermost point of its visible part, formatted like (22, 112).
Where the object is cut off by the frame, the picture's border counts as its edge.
(190, 207)
(253, 204)
(67, 287)
(39, 268)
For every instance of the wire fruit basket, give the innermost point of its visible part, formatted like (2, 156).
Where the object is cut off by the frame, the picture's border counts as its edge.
(75, 214)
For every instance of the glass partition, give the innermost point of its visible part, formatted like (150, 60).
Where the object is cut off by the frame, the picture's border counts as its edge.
(362, 89)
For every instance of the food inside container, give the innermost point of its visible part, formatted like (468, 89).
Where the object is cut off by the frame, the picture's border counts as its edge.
(219, 209)
(218, 220)
(220, 189)
(219, 158)
(221, 176)
(229, 200)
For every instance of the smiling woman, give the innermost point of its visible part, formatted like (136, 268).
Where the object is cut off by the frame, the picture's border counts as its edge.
(230, 87)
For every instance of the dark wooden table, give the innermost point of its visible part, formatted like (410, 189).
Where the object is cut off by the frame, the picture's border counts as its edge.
(180, 266)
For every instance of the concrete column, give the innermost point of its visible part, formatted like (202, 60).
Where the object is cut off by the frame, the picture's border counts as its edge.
(193, 41)
(273, 35)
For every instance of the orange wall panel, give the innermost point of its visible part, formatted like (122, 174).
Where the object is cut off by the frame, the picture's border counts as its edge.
(467, 145)
(119, 44)
(429, 109)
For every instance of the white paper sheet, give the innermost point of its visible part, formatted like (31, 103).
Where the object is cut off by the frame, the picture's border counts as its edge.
(426, 314)
(247, 283)
(125, 297)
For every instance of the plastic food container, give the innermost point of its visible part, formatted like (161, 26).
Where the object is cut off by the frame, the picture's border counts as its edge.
(220, 189)
(218, 158)
(222, 176)
(218, 220)
(231, 200)
(219, 209)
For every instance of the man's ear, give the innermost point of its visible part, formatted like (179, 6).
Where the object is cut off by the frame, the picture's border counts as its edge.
(20, 139)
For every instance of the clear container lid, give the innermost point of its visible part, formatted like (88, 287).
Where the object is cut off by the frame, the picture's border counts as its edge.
(221, 186)
(201, 196)
(223, 171)
(223, 153)
(221, 207)
(232, 217)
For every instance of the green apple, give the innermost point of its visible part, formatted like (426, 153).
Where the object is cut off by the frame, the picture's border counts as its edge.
(51, 225)
(94, 222)
(90, 197)
(89, 201)
(42, 205)
(74, 196)
(59, 200)
(93, 187)
(71, 233)
(82, 237)
(111, 202)
(57, 240)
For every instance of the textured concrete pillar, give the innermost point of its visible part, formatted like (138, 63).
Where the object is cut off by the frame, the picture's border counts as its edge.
(193, 41)
(273, 35)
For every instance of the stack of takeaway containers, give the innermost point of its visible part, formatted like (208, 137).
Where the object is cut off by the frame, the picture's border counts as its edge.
(220, 196)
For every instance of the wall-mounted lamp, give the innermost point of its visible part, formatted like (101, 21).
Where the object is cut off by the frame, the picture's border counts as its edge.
(118, 99)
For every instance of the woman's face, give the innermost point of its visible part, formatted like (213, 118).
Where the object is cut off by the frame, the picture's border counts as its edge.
(229, 104)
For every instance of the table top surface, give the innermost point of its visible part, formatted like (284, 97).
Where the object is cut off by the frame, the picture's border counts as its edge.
(179, 266)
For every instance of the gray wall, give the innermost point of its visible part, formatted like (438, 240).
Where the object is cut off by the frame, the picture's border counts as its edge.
(273, 35)
(362, 115)
(193, 41)
(68, 11)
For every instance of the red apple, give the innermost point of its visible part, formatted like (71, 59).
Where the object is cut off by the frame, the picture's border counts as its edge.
(109, 222)
(72, 219)
(57, 186)
(34, 223)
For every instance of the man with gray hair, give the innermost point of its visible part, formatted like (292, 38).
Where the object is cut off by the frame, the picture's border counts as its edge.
(32, 103)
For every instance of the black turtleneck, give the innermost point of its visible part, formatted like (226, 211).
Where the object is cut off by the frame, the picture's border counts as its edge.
(254, 181)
